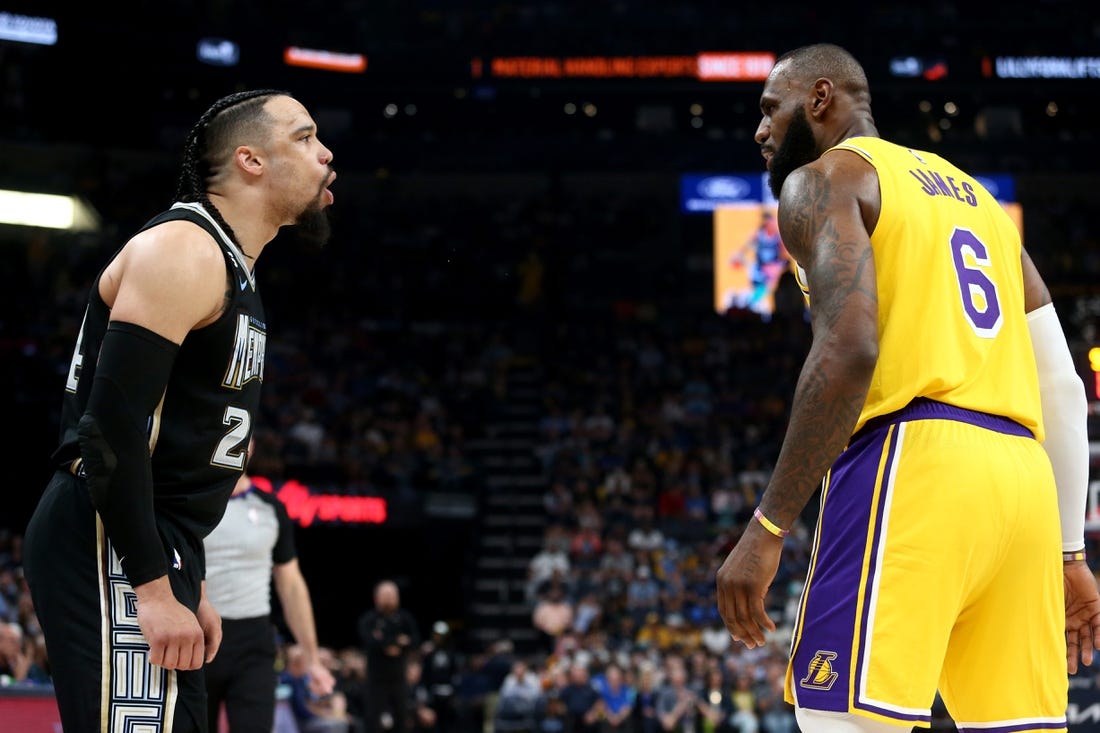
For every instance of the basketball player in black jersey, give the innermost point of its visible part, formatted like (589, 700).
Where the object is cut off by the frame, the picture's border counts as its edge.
(157, 414)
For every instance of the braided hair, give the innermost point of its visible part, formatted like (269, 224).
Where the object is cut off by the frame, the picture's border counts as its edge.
(210, 141)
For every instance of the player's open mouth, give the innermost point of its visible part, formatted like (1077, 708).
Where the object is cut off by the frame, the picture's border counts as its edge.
(329, 198)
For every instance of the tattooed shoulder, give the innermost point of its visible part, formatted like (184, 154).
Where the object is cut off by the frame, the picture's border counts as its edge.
(803, 209)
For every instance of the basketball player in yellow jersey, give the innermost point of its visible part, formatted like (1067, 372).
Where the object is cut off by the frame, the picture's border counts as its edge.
(940, 413)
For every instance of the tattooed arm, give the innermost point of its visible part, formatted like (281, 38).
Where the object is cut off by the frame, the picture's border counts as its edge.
(822, 223)
(826, 211)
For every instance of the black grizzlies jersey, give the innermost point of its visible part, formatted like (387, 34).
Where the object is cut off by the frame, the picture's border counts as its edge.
(198, 435)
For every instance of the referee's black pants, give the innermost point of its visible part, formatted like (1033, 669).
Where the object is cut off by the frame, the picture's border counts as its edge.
(242, 676)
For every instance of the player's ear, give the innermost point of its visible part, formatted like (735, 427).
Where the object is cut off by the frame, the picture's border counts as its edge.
(248, 160)
(821, 97)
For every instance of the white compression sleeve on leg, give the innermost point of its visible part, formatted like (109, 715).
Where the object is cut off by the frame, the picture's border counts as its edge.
(821, 721)
(1065, 420)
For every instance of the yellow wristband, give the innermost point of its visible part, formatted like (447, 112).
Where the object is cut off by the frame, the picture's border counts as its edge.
(1073, 556)
(770, 525)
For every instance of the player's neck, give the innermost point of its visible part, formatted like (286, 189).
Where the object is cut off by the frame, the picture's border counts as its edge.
(859, 127)
(244, 215)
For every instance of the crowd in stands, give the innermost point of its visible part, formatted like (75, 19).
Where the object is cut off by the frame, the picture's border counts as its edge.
(656, 445)
(373, 411)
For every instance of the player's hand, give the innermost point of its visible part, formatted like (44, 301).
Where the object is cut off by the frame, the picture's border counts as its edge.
(173, 633)
(743, 582)
(211, 623)
(1082, 614)
(321, 681)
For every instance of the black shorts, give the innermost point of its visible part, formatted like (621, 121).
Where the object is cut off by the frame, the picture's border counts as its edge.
(242, 676)
(98, 657)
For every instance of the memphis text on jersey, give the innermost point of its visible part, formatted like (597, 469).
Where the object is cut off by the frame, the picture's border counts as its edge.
(247, 361)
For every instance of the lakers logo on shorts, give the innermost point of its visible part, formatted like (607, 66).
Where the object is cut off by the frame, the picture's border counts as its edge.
(820, 674)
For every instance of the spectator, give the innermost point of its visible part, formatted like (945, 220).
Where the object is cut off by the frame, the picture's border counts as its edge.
(655, 632)
(586, 544)
(588, 613)
(646, 717)
(351, 680)
(550, 561)
(726, 504)
(312, 713)
(558, 503)
(716, 639)
(672, 508)
(389, 634)
(616, 557)
(719, 704)
(677, 705)
(616, 700)
(743, 698)
(15, 663)
(776, 714)
(499, 662)
(39, 671)
(584, 582)
(306, 435)
(441, 665)
(643, 594)
(696, 519)
(551, 715)
(582, 701)
(421, 715)
(553, 614)
(645, 536)
(472, 694)
(519, 697)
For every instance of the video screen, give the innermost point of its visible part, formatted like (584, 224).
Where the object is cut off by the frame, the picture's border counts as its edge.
(750, 260)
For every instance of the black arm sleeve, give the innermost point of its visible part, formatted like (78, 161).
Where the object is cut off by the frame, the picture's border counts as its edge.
(130, 378)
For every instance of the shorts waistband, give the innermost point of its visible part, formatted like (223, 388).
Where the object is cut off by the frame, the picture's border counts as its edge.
(923, 408)
(263, 622)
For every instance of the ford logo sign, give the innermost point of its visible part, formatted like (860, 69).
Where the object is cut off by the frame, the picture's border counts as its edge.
(218, 52)
(723, 187)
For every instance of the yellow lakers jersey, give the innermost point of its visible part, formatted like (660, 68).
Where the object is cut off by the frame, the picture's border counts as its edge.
(951, 315)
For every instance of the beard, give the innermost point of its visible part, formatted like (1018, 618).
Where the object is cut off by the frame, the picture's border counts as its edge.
(797, 149)
(313, 226)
